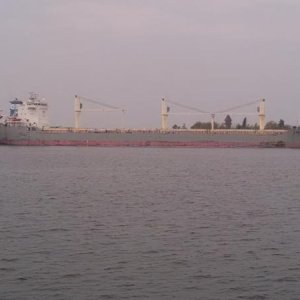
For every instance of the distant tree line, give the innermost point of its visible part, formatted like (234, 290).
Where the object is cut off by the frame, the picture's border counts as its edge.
(179, 127)
(275, 125)
(227, 124)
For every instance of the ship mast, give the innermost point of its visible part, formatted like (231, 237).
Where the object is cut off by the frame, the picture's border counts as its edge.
(164, 114)
(77, 111)
(262, 114)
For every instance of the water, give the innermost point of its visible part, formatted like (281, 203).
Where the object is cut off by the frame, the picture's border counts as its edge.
(125, 223)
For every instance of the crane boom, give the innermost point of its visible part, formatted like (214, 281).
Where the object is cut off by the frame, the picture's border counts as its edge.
(196, 111)
(78, 108)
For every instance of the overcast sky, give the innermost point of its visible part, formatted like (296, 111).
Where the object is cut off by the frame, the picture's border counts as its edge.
(211, 54)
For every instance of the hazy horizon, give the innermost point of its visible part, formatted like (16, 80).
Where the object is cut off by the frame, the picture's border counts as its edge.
(204, 53)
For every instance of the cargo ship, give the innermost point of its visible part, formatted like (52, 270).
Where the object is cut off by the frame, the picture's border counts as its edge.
(27, 125)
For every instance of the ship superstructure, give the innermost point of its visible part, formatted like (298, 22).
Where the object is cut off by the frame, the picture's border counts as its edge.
(32, 112)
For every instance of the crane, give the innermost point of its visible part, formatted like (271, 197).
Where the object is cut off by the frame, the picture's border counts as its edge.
(165, 112)
(78, 108)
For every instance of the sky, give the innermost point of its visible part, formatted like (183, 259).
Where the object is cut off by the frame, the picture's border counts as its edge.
(209, 54)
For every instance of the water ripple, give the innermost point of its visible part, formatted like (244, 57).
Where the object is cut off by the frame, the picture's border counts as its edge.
(94, 223)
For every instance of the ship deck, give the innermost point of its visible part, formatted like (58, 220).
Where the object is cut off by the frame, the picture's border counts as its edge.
(170, 131)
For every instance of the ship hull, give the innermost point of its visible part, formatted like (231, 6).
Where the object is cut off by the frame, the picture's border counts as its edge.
(23, 136)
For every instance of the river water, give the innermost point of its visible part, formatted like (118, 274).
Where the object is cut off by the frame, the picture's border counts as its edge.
(146, 223)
